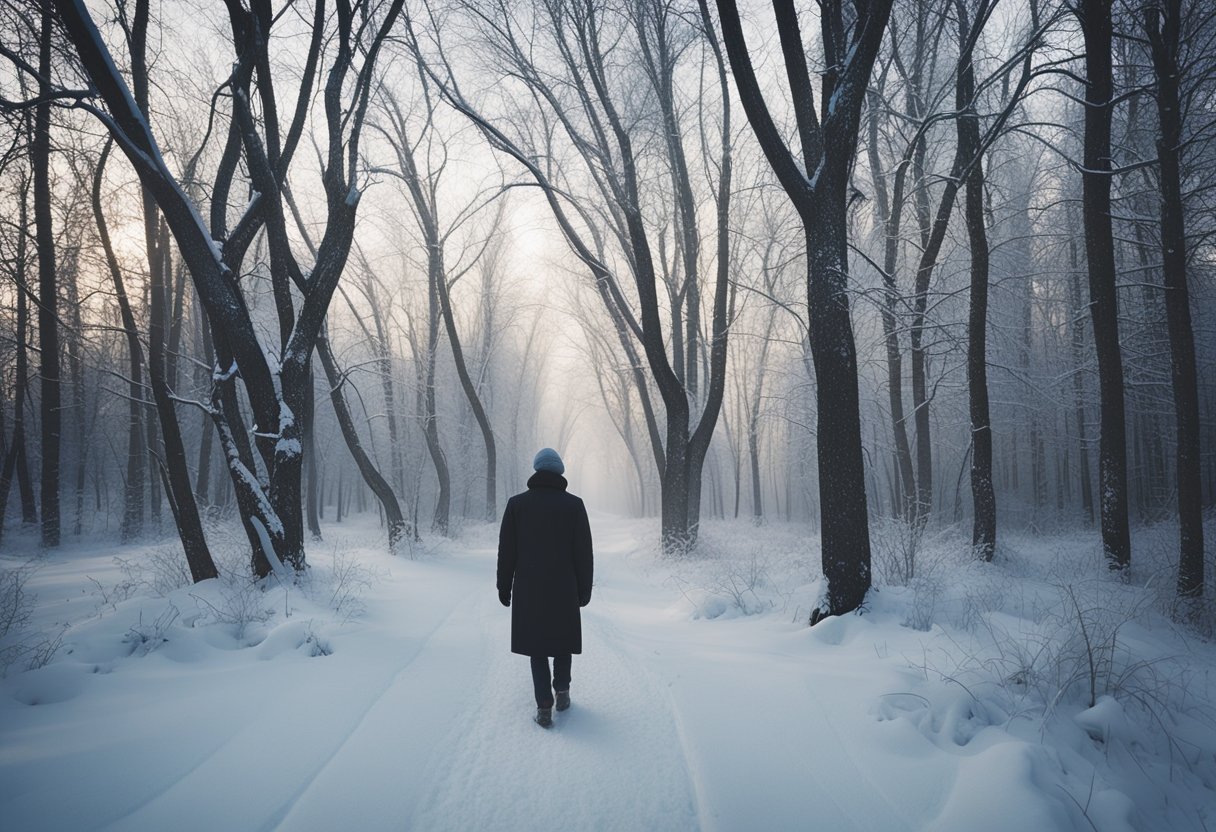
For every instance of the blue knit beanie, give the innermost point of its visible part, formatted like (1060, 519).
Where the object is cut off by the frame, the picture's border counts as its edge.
(547, 459)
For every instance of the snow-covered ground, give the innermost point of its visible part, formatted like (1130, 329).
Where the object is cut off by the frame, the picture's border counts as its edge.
(380, 693)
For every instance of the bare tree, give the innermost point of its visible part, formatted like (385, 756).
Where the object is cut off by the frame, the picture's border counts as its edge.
(423, 184)
(818, 189)
(1163, 24)
(48, 289)
(582, 36)
(272, 509)
(15, 459)
(1096, 171)
(133, 491)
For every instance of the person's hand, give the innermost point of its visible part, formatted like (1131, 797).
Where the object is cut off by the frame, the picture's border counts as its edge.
(504, 596)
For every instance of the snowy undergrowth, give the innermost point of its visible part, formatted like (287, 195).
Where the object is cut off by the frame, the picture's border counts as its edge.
(739, 569)
(67, 618)
(1108, 686)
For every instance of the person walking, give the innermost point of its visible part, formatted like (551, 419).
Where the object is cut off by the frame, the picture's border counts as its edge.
(545, 567)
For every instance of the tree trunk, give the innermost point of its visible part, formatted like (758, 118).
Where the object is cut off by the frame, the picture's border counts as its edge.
(310, 460)
(15, 460)
(175, 472)
(76, 375)
(133, 492)
(470, 392)
(844, 515)
(753, 450)
(439, 520)
(1095, 20)
(1163, 25)
(920, 358)
(702, 434)
(889, 216)
(1023, 268)
(174, 469)
(1077, 345)
(48, 298)
(396, 456)
(828, 150)
(397, 527)
(17, 449)
(206, 431)
(983, 496)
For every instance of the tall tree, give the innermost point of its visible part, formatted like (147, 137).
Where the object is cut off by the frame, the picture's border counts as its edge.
(398, 528)
(1096, 172)
(818, 188)
(1163, 24)
(48, 290)
(15, 459)
(133, 488)
(172, 468)
(422, 182)
(983, 534)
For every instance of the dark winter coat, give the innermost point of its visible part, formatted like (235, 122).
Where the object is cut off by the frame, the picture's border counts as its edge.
(545, 563)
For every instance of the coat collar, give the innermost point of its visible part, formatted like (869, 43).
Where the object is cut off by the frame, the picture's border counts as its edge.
(547, 479)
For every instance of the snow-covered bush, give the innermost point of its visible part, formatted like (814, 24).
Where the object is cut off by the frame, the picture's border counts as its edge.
(161, 569)
(111, 595)
(15, 602)
(927, 589)
(1070, 653)
(144, 638)
(236, 603)
(20, 644)
(738, 569)
(738, 580)
(342, 586)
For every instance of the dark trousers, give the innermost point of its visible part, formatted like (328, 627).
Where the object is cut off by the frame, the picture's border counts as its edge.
(541, 680)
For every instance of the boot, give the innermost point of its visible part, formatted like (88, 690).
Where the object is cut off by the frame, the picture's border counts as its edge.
(544, 717)
(563, 699)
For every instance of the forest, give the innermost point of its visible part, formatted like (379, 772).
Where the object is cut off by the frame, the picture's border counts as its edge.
(896, 287)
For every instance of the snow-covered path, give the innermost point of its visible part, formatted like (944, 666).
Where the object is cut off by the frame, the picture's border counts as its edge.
(450, 745)
(421, 720)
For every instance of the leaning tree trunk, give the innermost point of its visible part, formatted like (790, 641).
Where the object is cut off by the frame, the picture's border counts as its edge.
(470, 389)
(174, 468)
(397, 526)
(1095, 19)
(133, 490)
(1164, 34)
